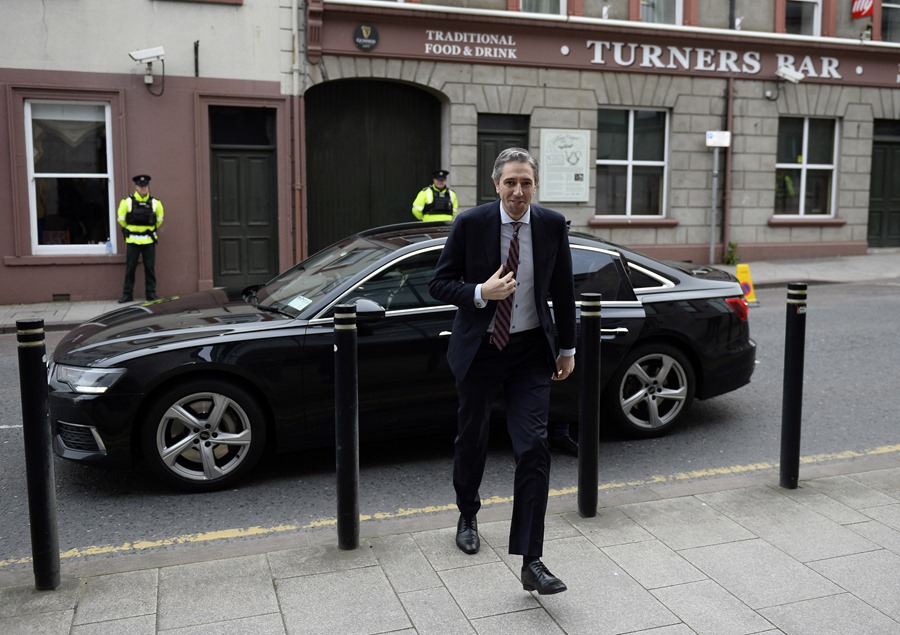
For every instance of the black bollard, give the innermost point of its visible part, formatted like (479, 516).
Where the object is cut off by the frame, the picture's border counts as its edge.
(792, 399)
(346, 425)
(39, 473)
(589, 404)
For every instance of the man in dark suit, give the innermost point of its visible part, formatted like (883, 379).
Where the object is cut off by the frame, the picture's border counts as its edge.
(503, 337)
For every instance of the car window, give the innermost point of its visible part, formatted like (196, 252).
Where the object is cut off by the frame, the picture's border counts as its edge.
(646, 280)
(313, 278)
(599, 272)
(403, 285)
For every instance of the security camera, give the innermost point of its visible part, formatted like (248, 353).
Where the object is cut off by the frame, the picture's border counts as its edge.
(147, 56)
(790, 74)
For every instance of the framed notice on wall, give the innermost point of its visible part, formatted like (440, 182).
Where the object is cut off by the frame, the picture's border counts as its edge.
(564, 165)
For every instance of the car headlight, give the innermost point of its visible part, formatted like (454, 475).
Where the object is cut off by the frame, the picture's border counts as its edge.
(92, 381)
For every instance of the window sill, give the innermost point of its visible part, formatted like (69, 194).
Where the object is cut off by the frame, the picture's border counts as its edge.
(806, 221)
(625, 221)
(62, 260)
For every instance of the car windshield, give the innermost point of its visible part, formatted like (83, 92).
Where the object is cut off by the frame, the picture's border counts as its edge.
(312, 279)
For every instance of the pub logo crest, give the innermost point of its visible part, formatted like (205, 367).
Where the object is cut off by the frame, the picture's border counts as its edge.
(365, 37)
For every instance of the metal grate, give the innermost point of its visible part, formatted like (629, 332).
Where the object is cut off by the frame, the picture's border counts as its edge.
(78, 437)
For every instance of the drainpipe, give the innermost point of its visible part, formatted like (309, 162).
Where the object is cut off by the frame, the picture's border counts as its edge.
(726, 205)
(296, 172)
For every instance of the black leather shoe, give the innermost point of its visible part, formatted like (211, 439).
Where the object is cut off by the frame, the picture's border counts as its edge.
(125, 298)
(151, 297)
(536, 577)
(467, 535)
(565, 444)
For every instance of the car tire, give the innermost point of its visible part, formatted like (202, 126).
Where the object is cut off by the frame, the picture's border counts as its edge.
(651, 391)
(203, 435)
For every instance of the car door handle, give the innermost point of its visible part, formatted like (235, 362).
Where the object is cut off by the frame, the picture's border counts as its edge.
(621, 330)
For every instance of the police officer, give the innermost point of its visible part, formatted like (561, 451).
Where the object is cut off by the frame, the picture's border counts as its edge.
(140, 215)
(437, 201)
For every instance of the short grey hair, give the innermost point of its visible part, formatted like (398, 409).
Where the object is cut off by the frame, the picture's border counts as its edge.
(513, 154)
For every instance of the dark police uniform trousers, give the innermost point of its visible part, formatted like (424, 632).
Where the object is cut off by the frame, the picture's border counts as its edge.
(521, 370)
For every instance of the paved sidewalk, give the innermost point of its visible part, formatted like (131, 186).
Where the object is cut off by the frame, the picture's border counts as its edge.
(734, 555)
(717, 555)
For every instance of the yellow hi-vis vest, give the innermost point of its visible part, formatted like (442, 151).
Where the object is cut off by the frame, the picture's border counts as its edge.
(140, 234)
(433, 204)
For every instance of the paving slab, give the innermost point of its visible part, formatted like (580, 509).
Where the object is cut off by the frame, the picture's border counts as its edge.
(403, 562)
(878, 533)
(118, 596)
(319, 559)
(487, 589)
(759, 574)
(143, 625)
(841, 614)
(886, 514)
(351, 602)
(653, 564)
(611, 526)
(215, 591)
(598, 589)
(873, 577)
(686, 522)
(851, 491)
(439, 547)
(271, 624)
(788, 525)
(435, 612)
(708, 609)
(530, 621)
(53, 623)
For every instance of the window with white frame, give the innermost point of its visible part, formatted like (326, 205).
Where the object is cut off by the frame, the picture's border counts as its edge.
(803, 17)
(71, 193)
(890, 21)
(662, 11)
(805, 167)
(553, 7)
(631, 162)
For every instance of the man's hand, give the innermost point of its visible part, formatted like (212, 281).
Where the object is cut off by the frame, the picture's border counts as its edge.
(565, 365)
(499, 285)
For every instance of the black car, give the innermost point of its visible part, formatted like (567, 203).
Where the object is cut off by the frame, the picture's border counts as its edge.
(200, 386)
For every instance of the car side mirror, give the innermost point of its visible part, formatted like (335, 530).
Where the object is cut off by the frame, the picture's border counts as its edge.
(368, 310)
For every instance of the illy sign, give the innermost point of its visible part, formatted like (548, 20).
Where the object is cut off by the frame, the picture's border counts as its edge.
(862, 9)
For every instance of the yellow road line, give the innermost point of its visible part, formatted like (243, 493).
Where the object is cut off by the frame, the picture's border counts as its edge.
(401, 513)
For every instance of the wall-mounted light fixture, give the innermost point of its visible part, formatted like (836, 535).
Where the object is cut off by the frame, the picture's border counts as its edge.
(148, 56)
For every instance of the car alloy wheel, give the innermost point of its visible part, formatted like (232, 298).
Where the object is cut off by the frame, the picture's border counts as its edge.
(204, 435)
(651, 391)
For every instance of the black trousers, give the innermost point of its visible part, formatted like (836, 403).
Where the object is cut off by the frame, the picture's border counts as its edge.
(521, 370)
(148, 254)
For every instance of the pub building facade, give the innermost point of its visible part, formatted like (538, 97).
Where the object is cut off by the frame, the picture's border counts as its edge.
(699, 130)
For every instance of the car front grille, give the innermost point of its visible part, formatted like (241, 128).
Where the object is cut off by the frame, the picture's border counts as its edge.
(79, 437)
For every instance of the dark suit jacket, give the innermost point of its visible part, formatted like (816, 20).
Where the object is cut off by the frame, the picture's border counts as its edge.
(472, 254)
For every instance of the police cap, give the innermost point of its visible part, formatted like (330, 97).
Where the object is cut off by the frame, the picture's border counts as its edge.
(441, 174)
(142, 180)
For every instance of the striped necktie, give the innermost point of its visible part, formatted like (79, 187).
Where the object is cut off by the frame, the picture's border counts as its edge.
(503, 315)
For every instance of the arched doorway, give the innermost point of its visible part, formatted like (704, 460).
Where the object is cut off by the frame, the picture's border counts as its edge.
(370, 147)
